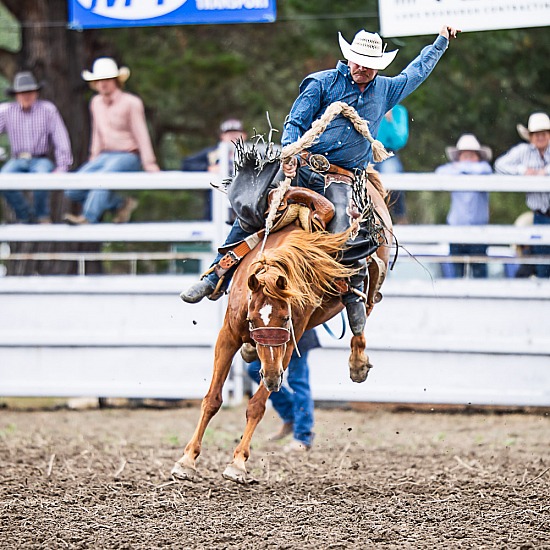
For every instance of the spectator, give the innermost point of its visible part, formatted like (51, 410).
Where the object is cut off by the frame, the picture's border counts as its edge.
(532, 159)
(120, 143)
(394, 134)
(231, 130)
(34, 127)
(468, 207)
(294, 406)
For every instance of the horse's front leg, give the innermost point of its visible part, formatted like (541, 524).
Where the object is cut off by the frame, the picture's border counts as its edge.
(236, 470)
(226, 347)
(274, 362)
(359, 364)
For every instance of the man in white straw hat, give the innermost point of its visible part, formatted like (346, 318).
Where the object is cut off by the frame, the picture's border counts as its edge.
(120, 142)
(471, 158)
(356, 82)
(532, 159)
(345, 151)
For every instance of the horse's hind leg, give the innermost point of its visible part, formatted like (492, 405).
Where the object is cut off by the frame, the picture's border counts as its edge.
(226, 347)
(359, 364)
(236, 470)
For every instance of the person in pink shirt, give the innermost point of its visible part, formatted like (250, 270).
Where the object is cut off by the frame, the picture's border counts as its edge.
(120, 143)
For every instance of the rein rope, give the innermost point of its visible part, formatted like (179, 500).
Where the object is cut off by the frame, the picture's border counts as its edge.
(308, 139)
(320, 125)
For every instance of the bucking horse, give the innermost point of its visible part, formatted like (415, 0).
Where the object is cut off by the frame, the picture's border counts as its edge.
(290, 281)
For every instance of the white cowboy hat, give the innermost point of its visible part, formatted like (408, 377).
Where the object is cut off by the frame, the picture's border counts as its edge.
(538, 122)
(468, 142)
(104, 68)
(366, 50)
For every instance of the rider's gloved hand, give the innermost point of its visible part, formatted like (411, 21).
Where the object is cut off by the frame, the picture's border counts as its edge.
(289, 167)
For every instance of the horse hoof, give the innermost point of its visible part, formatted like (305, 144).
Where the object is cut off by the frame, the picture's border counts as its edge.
(249, 353)
(233, 473)
(359, 374)
(184, 473)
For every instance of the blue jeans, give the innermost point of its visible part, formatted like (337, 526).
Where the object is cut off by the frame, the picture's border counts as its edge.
(98, 201)
(479, 271)
(236, 234)
(542, 271)
(16, 199)
(294, 405)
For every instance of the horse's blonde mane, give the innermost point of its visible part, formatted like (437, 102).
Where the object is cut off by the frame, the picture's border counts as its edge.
(308, 262)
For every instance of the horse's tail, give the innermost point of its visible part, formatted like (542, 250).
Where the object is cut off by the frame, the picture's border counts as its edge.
(374, 178)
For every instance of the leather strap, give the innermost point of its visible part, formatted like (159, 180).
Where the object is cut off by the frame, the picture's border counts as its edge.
(332, 168)
(237, 253)
(270, 336)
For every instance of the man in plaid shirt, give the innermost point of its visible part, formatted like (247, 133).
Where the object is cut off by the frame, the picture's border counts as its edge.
(35, 129)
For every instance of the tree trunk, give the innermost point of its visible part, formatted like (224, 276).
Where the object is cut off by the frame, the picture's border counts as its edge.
(56, 56)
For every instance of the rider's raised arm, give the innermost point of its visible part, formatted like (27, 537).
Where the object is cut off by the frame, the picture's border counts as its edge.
(419, 68)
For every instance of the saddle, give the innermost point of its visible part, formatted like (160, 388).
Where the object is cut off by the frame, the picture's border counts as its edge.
(312, 212)
(305, 207)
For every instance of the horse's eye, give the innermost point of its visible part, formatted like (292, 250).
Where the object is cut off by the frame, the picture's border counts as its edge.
(286, 318)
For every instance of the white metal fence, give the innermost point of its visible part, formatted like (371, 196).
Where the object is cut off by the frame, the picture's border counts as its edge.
(439, 341)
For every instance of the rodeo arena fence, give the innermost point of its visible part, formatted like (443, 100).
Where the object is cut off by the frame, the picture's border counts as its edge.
(431, 339)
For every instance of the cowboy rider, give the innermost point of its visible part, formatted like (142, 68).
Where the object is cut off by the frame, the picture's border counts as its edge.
(346, 152)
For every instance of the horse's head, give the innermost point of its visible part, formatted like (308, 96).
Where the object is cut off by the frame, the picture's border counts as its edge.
(270, 326)
(286, 284)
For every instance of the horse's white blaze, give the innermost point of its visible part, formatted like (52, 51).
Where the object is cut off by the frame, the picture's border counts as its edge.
(265, 313)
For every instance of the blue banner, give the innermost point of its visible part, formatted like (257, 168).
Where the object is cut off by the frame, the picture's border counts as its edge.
(94, 14)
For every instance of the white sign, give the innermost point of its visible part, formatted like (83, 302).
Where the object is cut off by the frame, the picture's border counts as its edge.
(420, 17)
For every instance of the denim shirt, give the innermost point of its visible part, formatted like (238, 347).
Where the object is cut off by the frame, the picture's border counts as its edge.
(341, 143)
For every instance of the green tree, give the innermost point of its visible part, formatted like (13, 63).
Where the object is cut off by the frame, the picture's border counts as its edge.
(192, 76)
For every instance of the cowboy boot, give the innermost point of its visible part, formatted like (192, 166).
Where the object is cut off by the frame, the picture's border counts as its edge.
(285, 430)
(340, 195)
(198, 291)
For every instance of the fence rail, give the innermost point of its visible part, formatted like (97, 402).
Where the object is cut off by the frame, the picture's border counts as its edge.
(432, 341)
(175, 180)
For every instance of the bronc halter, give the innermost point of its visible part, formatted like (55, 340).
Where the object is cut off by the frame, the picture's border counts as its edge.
(272, 336)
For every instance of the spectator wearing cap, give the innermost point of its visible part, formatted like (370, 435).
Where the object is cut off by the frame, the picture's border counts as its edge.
(120, 142)
(471, 158)
(208, 159)
(532, 159)
(37, 134)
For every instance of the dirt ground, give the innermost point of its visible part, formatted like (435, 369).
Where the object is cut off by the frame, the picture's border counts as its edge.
(374, 479)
